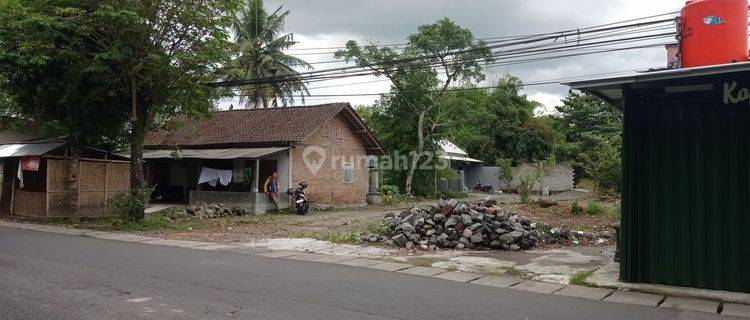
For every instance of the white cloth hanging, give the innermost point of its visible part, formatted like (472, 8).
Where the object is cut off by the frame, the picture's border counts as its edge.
(211, 176)
(19, 174)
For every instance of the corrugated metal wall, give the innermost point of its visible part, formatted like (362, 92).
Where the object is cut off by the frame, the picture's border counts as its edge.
(686, 192)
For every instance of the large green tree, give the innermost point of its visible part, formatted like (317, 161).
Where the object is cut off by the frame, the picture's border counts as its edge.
(438, 56)
(166, 51)
(500, 124)
(593, 139)
(53, 77)
(261, 42)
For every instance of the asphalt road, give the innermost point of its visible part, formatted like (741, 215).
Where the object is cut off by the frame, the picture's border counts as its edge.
(53, 276)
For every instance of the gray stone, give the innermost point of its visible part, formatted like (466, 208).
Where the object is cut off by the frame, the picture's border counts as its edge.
(538, 286)
(736, 310)
(639, 298)
(514, 247)
(467, 233)
(506, 239)
(477, 238)
(451, 222)
(497, 281)
(516, 234)
(422, 271)
(691, 304)
(399, 240)
(438, 217)
(584, 292)
(459, 276)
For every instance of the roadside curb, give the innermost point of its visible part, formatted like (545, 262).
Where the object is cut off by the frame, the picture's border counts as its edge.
(659, 296)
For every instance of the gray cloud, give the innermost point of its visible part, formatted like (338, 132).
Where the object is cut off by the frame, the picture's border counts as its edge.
(323, 23)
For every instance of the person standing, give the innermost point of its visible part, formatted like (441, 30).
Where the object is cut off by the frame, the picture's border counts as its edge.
(271, 188)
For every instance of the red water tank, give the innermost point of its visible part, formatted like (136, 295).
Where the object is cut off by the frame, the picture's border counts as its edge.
(713, 32)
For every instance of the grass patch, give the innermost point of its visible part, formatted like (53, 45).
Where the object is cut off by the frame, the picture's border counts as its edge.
(513, 271)
(580, 277)
(148, 224)
(346, 237)
(595, 209)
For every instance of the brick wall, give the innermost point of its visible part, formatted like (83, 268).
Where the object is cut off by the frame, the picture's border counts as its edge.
(332, 146)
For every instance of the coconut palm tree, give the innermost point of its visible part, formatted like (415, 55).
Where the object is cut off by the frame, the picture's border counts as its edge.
(261, 43)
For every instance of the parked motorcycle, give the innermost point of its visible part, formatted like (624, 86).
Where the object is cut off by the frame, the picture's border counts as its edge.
(300, 198)
(479, 188)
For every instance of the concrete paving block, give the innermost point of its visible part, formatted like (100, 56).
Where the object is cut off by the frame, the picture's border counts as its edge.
(639, 298)
(390, 266)
(176, 243)
(497, 281)
(736, 310)
(584, 292)
(422, 271)
(319, 257)
(538, 286)
(459, 276)
(251, 250)
(72, 232)
(360, 262)
(691, 304)
(278, 254)
(121, 237)
(213, 247)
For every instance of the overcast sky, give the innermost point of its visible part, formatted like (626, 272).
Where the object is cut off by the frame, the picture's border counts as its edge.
(330, 23)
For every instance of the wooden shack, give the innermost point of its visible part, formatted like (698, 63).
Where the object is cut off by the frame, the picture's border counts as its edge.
(39, 188)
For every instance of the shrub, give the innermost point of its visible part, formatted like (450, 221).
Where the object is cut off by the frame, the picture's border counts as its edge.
(525, 187)
(129, 205)
(594, 209)
(346, 237)
(389, 190)
(381, 228)
(576, 208)
(450, 194)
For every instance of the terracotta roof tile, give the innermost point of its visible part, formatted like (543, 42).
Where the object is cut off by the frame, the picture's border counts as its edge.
(255, 127)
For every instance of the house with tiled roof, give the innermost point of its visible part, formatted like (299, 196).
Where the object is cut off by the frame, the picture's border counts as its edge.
(190, 160)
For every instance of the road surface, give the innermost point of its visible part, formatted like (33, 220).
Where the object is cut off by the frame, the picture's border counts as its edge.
(54, 276)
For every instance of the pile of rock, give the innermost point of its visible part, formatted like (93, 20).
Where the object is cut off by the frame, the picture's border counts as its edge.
(207, 211)
(450, 224)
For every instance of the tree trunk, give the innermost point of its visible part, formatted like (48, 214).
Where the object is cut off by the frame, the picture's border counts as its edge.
(73, 203)
(417, 155)
(140, 126)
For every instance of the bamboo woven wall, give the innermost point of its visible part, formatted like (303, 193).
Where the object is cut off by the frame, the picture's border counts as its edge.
(97, 181)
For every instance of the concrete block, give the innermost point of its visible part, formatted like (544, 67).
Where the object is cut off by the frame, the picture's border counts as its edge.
(639, 298)
(736, 310)
(538, 286)
(121, 237)
(497, 281)
(459, 276)
(691, 304)
(318, 257)
(279, 254)
(176, 243)
(360, 262)
(390, 266)
(584, 292)
(422, 271)
(213, 247)
(252, 250)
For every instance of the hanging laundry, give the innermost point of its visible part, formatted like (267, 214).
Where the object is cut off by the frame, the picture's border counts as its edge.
(19, 174)
(211, 176)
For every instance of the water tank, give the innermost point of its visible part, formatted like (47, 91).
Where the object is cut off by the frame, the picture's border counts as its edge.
(713, 32)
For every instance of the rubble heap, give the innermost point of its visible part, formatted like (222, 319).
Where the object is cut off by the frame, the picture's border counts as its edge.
(206, 211)
(450, 224)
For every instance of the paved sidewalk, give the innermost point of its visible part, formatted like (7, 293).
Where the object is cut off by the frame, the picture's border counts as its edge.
(734, 306)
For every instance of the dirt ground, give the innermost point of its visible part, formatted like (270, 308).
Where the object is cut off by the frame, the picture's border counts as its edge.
(552, 210)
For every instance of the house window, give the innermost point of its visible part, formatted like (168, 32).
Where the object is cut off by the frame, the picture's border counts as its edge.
(348, 173)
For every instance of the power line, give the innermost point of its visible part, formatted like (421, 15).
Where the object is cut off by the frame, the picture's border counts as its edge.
(555, 37)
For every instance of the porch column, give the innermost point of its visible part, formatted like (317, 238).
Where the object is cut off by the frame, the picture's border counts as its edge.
(256, 174)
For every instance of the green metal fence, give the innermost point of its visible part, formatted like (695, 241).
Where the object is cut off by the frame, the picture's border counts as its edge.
(686, 185)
